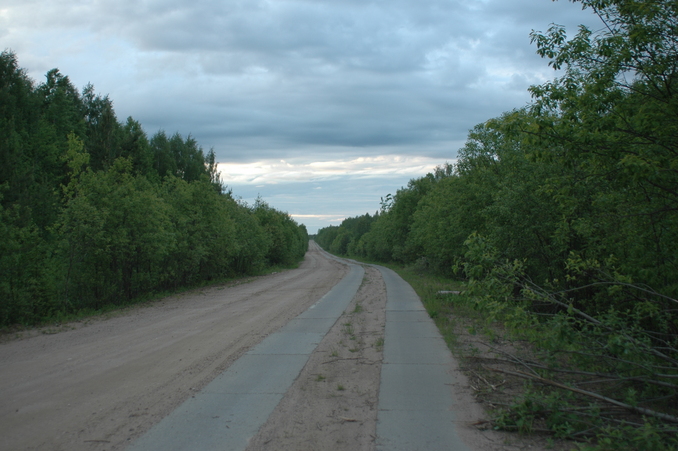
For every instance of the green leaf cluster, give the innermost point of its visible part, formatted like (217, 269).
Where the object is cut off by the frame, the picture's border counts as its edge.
(587, 171)
(562, 216)
(94, 214)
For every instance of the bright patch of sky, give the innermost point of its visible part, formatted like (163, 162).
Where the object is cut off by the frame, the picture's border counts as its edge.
(319, 107)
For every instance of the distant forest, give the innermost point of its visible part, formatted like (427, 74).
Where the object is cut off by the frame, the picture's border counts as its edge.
(562, 219)
(93, 213)
(580, 188)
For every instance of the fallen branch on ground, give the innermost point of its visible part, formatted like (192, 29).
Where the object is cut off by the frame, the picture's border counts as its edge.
(640, 410)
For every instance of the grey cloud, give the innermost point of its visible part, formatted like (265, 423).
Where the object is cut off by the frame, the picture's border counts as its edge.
(368, 35)
(307, 80)
(258, 78)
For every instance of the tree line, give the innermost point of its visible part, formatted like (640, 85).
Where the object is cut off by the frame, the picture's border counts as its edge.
(93, 213)
(565, 212)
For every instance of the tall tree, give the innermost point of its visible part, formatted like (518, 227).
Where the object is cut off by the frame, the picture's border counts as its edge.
(103, 130)
(613, 116)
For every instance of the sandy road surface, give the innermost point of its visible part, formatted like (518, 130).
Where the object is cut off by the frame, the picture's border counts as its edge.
(333, 403)
(102, 385)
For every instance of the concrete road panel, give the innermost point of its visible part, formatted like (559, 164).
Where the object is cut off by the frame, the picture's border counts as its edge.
(231, 409)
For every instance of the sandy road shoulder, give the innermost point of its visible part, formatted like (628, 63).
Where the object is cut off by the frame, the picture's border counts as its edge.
(99, 387)
(333, 402)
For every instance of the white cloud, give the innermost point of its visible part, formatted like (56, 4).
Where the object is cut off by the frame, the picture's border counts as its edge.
(266, 172)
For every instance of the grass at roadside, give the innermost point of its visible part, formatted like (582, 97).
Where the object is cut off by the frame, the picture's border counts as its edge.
(524, 389)
(430, 289)
(438, 305)
(560, 381)
(481, 349)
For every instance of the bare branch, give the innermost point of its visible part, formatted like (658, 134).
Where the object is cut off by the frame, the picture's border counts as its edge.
(640, 410)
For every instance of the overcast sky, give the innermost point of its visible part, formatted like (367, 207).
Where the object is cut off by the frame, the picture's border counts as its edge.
(320, 107)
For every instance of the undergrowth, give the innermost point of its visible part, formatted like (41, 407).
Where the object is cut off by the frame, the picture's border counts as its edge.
(596, 382)
(57, 318)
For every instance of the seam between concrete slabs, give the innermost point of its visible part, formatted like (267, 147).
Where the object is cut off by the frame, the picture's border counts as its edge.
(416, 406)
(229, 411)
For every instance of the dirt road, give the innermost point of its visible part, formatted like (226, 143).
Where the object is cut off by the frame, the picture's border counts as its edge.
(101, 385)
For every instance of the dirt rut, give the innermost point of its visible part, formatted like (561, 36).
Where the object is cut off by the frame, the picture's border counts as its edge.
(102, 384)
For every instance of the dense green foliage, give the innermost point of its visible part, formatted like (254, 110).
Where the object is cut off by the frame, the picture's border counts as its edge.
(565, 213)
(93, 213)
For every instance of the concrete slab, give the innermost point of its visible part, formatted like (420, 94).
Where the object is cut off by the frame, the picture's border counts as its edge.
(285, 342)
(408, 315)
(423, 430)
(403, 305)
(415, 396)
(416, 350)
(413, 329)
(309, 325)
(401, 296)
(259, 373)
(333, 304)
(405, 387)
(231, 409)
(210, 422)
